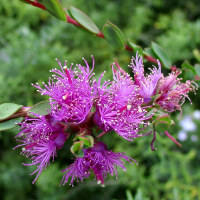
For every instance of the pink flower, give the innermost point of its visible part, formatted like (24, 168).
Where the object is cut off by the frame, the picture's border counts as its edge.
(147, 84)
(98, 159)
(71, 93)
(118, 106)
(41, 138)
(172, 92)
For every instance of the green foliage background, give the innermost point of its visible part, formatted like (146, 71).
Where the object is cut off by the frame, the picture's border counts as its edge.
(31, 39)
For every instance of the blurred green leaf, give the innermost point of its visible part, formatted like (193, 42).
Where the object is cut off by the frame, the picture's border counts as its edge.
(129, 195)
(187, 65)
(54, 7)
(196, 53)
(113, 35)
(12, 123)
(197, 69)
(40, 108)
(150, 112)
(162, 55)
(88, 140)
(8, 109)
(138, 195)
(136, 48)
(84, 20)
(76, 148)
(149, 52)
(163, 122)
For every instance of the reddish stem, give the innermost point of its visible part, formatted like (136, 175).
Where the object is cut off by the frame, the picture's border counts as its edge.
(72, 21)
(152, 142)
(171, 138)
(36, 4)
(100, 34)
(150, 59)
(128, 48)
(101, 134)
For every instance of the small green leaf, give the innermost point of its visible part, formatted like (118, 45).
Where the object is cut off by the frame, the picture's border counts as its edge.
(76, 148)
(197, 69)
(84, 20)
(113, 35)
(161, 126)
(146, 130)
(8, 109)
(54, 7)
(162, 55)
(186, 65)
(150, 52)
(129, 196)
(12, 123)
(163, 122)
(151, 112)
(138, 195)
(88, 140)
(40, 108)
(136, 48)
(196, 53)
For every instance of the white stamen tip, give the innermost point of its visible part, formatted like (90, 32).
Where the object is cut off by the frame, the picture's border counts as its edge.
(98, 182)
(128, 107)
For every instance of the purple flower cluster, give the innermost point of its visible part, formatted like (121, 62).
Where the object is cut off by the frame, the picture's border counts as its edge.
(71, 93)
(41, 137)
(97, 159)
(118, 106)
(79, 104)
(168, 92)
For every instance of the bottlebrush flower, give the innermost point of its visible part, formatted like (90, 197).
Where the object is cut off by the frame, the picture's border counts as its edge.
(172, 92)
(98, 159)
(71, 93)
(148, 84)
(118, 106)
(41, 137)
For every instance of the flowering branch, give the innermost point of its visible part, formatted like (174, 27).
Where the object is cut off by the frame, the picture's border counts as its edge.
(100, 34)
(79, 104)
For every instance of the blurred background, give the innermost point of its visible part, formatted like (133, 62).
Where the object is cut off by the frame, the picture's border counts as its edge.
(31, 39)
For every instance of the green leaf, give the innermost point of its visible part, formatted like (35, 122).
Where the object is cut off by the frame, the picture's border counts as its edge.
(113, 35)
(187, 65)
(12, 123)
(136, 48)
(146, 130)
(88, 140)
(149, 52)
(162, 126)
(129, 196)
(76, 148)
(8, 109)
(162, 55)
(138, 195)
(84, 20)
(163, 122)
(54, 7)
(40, 108)
(197, 69)
(151, 111)
(196, 53)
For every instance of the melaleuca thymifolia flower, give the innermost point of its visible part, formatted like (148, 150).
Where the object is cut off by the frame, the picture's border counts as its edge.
(41, 138)
(118, 106)
(147, 84)
(98, 160)
(71, 93)
(172, 92)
